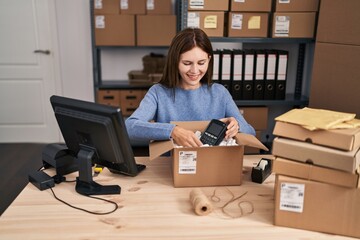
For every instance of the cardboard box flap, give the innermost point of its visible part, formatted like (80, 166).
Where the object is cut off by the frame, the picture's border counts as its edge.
(249, 140)
(158, 148)
(241, 138)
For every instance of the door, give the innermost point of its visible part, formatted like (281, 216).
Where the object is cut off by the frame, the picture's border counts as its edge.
(27, 72)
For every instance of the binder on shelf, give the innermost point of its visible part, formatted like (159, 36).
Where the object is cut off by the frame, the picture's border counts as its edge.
(248, 82)
(237, 74)
(216, 66)
(270, 73)
(259, 77)
(225, 77)
(281, 74)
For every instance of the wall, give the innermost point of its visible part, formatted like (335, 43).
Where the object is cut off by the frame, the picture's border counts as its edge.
(74, 39)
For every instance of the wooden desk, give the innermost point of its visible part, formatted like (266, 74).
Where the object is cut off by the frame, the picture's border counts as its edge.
(149, 208)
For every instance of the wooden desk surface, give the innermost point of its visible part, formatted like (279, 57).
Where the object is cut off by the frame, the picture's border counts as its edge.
(149, 208)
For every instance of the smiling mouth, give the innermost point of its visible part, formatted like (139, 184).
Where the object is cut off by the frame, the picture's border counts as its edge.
(194, 77)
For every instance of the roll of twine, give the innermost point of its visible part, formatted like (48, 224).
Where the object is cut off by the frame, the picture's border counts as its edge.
(201, 204)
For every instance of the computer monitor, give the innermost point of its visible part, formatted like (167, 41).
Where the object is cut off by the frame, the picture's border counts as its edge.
(95, 134)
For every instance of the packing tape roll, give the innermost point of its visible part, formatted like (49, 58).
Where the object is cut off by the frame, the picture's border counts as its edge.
(263, 164)
(201, 204)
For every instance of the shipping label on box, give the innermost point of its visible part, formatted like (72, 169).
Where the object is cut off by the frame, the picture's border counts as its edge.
(187, 162)
(282, 26)
(292, 197)
(324, 207)
(208, 5)
(193, 20)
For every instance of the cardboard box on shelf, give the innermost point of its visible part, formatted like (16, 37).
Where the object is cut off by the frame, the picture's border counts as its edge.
(205, 166)
(344, 139)
(317, 206)
(212, 23)
(286, 167)
(297, 6)
(114, 30)
(208, 5)
(251, 6)
(248, 24)
(132, 7)
(155, 30)
(347, 161)
(256, 116)
(138, 75)
(293, 25)
(159, 7)
(343, 18)
(106, 7)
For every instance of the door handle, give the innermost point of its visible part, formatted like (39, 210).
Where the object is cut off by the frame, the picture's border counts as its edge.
(46, 52)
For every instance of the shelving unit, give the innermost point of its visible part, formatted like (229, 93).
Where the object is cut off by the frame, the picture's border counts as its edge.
(298, 74)
(296, 99)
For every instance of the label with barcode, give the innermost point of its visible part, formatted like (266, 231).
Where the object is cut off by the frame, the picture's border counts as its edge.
(196, 4)
(193, 20)
(282, 26)
(124, 4)
(292, 197)
(236, 21)
(150, 4)
(100, 21)
(98, 4)
(187, 162)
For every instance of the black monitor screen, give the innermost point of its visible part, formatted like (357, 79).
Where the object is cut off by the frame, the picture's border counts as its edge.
(95, 133)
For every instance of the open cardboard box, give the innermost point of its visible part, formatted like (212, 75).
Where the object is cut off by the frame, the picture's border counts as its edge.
(205, 166)
(344, 139)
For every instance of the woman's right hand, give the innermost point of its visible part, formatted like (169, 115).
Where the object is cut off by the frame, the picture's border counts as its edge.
(185, 138)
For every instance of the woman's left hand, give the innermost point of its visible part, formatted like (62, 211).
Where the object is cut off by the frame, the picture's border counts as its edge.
(232, 128)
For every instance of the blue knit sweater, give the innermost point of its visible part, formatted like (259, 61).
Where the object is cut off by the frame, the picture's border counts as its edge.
(160, 105)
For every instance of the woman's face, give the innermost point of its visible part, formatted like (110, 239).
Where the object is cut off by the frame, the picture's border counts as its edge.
(193, 65)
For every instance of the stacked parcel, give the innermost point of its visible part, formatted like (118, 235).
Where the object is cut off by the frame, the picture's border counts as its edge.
(316, 163)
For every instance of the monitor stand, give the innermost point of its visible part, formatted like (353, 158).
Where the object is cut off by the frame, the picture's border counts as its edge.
(84, 183)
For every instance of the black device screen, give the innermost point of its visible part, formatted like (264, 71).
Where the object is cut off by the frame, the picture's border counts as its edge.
(215, 129)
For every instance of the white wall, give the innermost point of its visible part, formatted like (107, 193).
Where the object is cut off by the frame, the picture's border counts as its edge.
(74, 38)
